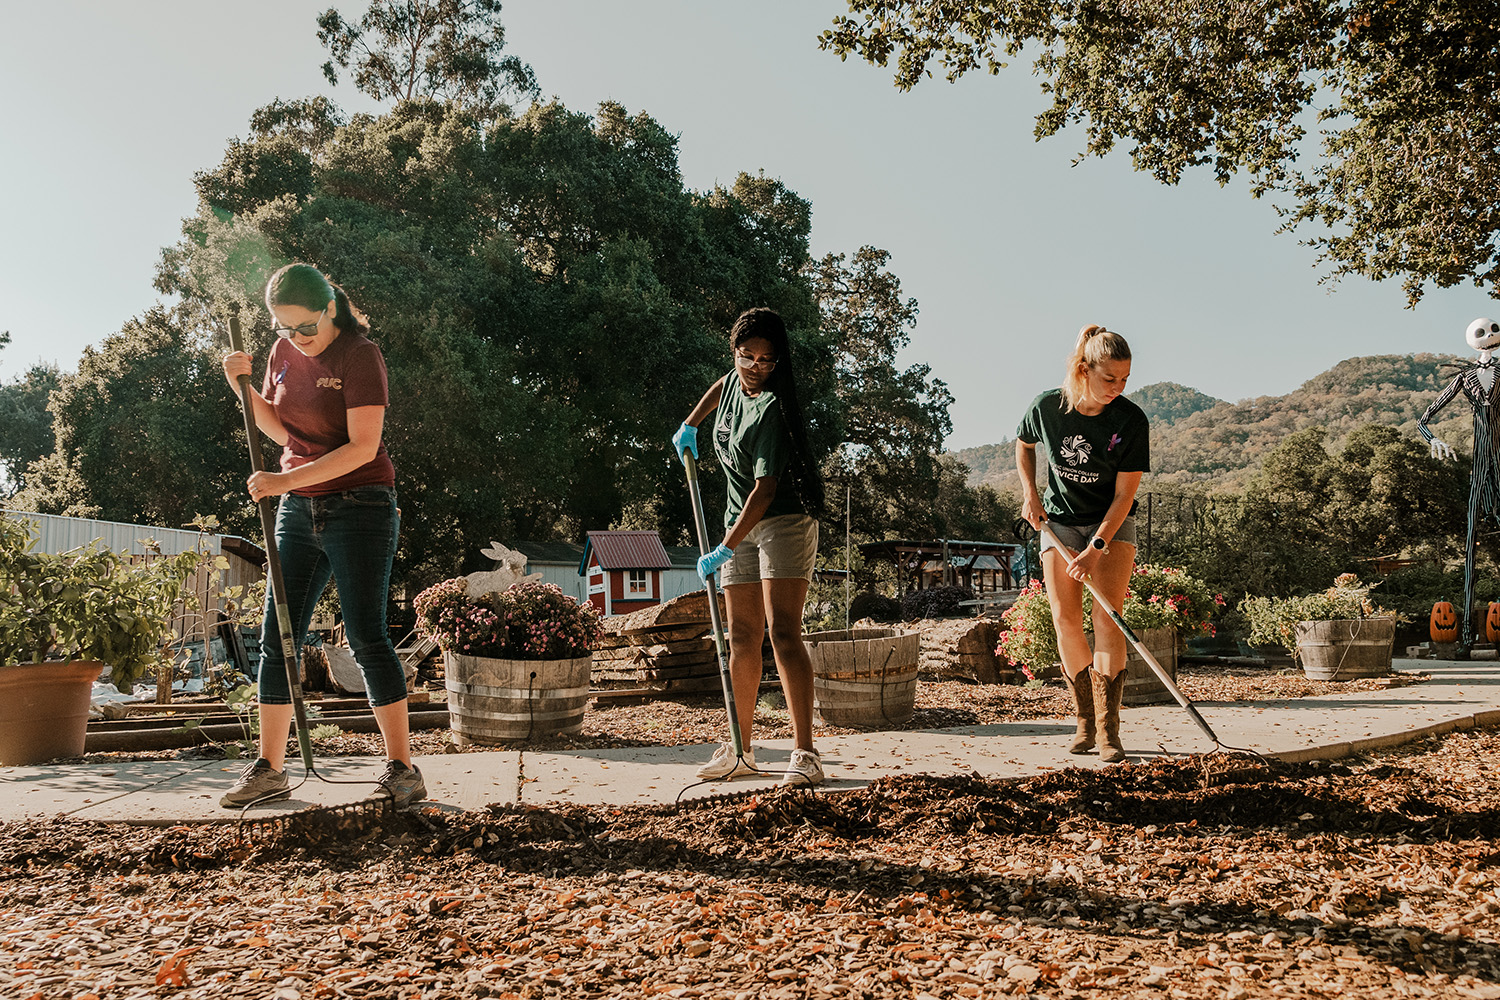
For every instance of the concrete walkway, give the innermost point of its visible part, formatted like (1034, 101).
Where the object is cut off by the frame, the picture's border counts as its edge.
(1459, 696)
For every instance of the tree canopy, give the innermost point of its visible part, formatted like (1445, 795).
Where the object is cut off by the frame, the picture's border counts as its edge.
(1394, 103)
(445, 50)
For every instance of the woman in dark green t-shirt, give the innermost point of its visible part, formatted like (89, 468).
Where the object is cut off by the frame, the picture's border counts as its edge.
(1097, 445)
(770, 532)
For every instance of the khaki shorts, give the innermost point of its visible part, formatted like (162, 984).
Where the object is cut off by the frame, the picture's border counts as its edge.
(1076, 536)
(778, 548)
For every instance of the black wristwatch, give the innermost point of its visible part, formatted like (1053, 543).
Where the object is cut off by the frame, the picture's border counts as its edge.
(1099, 543)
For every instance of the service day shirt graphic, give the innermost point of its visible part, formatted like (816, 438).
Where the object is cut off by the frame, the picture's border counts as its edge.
(1085, 454)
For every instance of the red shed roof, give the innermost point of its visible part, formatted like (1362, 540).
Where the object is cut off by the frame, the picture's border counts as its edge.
(625, 550)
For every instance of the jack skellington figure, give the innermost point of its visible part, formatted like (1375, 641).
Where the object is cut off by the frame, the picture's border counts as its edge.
(1476, 380)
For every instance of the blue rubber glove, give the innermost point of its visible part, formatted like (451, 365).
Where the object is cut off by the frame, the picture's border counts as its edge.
(686, 439)
(711, 562)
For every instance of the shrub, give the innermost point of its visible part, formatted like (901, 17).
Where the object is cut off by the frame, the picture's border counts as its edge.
(1273, 619)
(527, 621)
(935, 602)
(876, 607)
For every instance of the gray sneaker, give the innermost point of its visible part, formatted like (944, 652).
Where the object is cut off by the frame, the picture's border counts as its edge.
(401, 784)
(258, 782)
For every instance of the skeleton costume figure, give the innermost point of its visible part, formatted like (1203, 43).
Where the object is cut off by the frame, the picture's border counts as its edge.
(1476, 380)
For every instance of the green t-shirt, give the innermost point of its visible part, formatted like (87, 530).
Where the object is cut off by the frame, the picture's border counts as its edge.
(751, 441)
(1084, 454)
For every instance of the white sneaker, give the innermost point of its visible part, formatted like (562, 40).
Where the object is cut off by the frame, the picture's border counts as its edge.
(725, 765)
(806, 768)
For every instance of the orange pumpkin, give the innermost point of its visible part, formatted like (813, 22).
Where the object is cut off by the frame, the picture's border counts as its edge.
(1443, 625)
(1492, 622)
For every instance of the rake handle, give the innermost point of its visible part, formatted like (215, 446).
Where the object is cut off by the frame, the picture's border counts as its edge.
(267, 506)
(701, 523)
(1146, 654)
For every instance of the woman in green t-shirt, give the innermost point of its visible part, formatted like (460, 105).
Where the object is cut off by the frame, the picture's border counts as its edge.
(1098, 445)
(765, 562)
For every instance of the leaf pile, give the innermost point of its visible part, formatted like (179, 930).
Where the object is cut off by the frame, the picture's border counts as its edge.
(1220, 876)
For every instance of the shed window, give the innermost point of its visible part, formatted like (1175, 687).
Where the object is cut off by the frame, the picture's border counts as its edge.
(636, 582)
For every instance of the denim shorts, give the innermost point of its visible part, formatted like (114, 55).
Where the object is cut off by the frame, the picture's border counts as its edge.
(349, 538)
(778, 548)
(1076, 536)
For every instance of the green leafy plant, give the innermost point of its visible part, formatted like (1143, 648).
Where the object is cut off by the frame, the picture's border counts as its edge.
(1273, 620)
(87, 604)
(527, 621)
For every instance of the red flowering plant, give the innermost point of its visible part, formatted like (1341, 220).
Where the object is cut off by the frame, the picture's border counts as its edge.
(527, 621)
(1159, 597)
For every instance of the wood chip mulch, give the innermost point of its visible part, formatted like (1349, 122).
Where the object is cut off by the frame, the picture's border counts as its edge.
(1218, 877)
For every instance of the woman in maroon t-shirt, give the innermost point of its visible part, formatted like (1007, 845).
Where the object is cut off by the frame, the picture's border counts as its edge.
(323, 400)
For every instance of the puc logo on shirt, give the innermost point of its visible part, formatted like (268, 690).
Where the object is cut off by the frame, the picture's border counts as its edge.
(330, 383)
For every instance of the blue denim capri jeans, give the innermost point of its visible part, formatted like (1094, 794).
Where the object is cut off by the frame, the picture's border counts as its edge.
(350, 538)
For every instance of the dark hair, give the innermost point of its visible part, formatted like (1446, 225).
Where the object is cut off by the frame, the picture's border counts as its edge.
(767, 323)
(304, 285)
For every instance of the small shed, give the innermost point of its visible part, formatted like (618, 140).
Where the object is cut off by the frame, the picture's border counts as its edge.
(623, 570)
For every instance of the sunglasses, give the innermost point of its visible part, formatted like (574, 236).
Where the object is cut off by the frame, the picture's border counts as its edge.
(302, 329)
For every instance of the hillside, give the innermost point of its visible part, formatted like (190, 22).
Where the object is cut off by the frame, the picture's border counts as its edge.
(1195, 437)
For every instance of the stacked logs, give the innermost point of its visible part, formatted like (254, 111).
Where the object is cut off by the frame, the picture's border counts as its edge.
(962, 649)
(667, 648)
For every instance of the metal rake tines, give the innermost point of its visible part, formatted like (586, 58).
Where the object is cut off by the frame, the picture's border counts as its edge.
(320, 824)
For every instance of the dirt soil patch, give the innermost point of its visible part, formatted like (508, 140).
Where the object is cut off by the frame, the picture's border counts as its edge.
(1221, 876)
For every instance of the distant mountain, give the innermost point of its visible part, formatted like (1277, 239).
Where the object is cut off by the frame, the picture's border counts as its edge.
(1195, 437)
(1168, 402)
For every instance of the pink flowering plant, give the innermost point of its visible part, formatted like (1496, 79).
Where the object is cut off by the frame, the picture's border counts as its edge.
(1028, 639)
(527, 621)
(1159, 597)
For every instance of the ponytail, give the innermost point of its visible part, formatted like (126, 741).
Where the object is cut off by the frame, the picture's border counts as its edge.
(1095, 346)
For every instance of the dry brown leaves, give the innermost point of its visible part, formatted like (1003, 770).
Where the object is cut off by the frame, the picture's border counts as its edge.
(1218, 877)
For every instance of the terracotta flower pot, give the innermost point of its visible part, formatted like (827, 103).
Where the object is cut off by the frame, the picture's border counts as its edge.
(44, 710)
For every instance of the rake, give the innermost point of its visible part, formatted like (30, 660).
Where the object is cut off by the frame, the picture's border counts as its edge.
(1146, 654)
(291, 655)
(700, 522)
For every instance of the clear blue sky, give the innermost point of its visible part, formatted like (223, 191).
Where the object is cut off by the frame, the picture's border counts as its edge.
(1007, 248)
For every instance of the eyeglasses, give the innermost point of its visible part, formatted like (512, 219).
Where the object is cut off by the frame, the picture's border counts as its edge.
(302, 329)
(751, 363)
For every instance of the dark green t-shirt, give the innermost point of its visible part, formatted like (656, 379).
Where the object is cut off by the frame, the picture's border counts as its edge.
(751, 441)
(1084, 454)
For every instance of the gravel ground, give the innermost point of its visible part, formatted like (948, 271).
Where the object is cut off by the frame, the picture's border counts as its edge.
(1216, 877)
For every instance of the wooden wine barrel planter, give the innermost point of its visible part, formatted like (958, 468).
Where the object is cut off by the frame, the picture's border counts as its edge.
(1342, 649)
(1142, 686)
(864, 678)
(500, 701)
(44, 710)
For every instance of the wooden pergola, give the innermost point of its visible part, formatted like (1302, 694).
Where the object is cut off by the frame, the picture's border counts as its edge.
(983, 567)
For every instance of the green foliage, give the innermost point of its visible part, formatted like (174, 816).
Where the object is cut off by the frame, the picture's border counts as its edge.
(1273, 620)
(25, 422)
(1402, 180)
(86, 604)
(437, 49)
(526, 621)
(548, 297)
(146, 432)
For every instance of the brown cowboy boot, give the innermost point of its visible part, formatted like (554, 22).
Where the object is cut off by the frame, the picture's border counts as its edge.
(1107, 697)
(1083, 704)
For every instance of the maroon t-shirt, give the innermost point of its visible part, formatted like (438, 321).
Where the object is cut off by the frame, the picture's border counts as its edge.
(311, 397)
